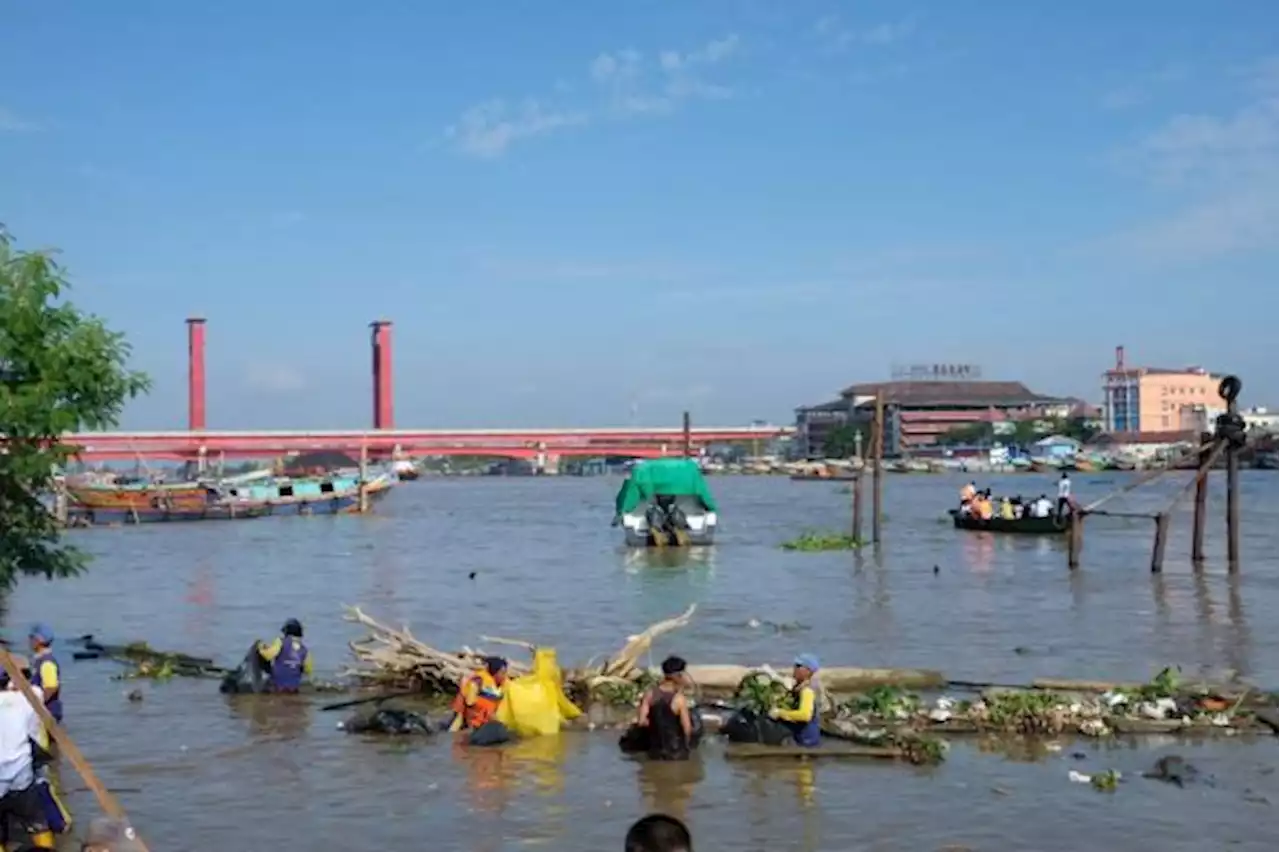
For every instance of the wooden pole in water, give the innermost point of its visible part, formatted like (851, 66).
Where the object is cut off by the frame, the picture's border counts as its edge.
(67, 746)
(877, 459)
(1231, 429)
(1158, 546)
(1075, 540)
(857, 505)
(686, 429)
(364, 478)
(1202, 493)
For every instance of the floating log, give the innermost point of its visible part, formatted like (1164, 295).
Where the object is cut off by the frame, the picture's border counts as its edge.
(746, 751)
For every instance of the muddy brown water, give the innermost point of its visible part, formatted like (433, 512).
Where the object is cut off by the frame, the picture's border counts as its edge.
(203, 772)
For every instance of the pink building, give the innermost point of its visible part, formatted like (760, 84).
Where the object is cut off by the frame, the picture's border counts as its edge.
(1149, 399)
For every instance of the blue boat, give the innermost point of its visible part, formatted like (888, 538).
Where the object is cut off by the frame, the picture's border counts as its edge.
(324, 495)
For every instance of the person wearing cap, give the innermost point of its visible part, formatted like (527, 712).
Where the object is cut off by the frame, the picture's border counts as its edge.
(47, 674)
(479, 696)
(110, 835)
(802, 717)
(20, 730)
(664, 710)
(288, 658)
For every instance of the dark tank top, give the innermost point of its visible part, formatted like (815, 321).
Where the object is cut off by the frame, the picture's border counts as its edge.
(666, 736)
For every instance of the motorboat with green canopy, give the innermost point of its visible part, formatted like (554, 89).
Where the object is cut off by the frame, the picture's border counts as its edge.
(666, 502)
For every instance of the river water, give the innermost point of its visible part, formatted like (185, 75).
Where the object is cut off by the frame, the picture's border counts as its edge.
(198, 771)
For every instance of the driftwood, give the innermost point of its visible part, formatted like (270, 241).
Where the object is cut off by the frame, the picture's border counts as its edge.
(395, 655)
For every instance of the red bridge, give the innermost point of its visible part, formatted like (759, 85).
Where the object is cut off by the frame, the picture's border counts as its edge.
(384, 439)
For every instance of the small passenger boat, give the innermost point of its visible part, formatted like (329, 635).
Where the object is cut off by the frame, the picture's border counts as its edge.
(666, 502)
(1024, 525)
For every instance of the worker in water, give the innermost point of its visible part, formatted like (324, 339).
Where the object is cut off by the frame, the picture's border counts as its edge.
(46, 674)
(20, 802)
(479, 696)
(664, 710)
(803, 716)
(288, 658)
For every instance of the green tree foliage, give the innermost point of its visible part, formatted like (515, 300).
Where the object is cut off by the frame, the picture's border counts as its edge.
(61, 370)
(842, 441)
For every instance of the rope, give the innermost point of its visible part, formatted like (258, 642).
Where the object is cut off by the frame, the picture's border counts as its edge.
(1147, 477)
(1200, 474)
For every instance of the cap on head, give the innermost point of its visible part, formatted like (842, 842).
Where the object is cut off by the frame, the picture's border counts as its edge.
(292, 627)
(494, 665)
(673, 665)
(41, 632)
(114, 834)
(808, 661)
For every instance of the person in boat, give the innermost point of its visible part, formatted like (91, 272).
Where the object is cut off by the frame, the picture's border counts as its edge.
(1064, 494)
(980, 505)
(287, 657)
(665, 711)
(479, 696)
(20, 728)
(967, 493)
(1006, 509)
(803, 716)
(47, 674)
(1019, 507)
(1041, 507)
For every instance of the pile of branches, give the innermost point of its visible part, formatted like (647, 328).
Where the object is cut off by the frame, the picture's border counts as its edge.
(394, 657)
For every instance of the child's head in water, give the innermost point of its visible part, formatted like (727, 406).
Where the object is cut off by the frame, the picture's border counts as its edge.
(658, 833)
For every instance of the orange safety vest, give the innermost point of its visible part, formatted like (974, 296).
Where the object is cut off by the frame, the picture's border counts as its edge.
(481, 709)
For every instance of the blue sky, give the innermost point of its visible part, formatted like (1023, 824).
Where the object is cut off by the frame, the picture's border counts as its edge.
(577, 216)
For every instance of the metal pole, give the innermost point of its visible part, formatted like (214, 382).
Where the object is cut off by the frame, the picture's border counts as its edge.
(1202, 493)
(687, 435)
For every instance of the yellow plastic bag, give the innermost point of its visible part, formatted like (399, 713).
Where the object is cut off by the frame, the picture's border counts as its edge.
(535, 704)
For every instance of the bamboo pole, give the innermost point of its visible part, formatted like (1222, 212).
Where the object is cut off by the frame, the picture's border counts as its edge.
(1202, 494)
(877, 459)
(66, 745)
(1158, 546)
(1075, 541)
(857, 506)
(364, 478)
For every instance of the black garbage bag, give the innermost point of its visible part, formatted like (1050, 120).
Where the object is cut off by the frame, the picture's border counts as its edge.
(490, 734)
(251, 676)
(748, 726)
(389, 720)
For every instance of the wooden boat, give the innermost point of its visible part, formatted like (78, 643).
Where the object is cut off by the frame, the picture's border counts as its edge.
(216, 510)
(139, 495)
(1083, 464)
(1024, 525)
(331, 495)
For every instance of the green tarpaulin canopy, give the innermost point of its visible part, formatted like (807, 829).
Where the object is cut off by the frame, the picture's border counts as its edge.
(671, 477)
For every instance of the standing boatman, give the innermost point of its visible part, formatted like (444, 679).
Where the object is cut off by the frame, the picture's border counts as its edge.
(288, 658)
(45, 671)
(804, 716)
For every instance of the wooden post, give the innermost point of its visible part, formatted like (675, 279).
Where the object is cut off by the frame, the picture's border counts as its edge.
(857, 506)
(1231, 427)
(1075, 541)
(877, 459)
(60, 503)
(1202, 493)
(364, 478)
(687, 435)
(1157, 548)
(66, 745)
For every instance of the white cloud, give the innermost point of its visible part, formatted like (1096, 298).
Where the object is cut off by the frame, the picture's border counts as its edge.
(624, 83)
(274, 378)
(832, 32)
(11, 122)
(1218, 172)
(488, 129)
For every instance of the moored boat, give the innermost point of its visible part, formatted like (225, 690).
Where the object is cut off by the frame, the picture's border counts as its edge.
(405, 470)
(1025, 525)
(328, 495)
(666, 502)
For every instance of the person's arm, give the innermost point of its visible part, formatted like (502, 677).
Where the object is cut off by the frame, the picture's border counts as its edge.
(306, 665)
(682, 709)
(49, 680)
(642, 714)
(268, 651)
(803, 713)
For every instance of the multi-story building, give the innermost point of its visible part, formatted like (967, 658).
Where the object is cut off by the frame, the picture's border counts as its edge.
(1143, 400)
(918, 413)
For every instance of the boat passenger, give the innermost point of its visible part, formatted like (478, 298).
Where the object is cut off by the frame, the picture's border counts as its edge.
(19, 798)
(664, 710)
(983, 507)
(1041, 507)
(1006, 509)
(1064, 494)
(968, 492)
(288, 658)
(47, 673)
(803, 717)
(1019, 507)
(479, 696)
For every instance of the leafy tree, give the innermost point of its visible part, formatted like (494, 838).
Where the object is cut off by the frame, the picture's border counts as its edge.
(61, 370)
(841, 442)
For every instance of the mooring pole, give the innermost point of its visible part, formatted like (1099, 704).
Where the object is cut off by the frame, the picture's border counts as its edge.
(877, 457)
(1157, 548)
(687, 435)
(364, 478)
(1202, 493)
(1231, 430)
(1075, 540)
(857, 505)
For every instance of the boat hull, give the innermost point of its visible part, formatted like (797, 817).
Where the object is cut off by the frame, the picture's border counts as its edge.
(1021, 526)
(150, 515)
(701, 531)
(184, 496)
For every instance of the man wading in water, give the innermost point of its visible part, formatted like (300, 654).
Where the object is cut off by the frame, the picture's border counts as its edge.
(664, 711)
